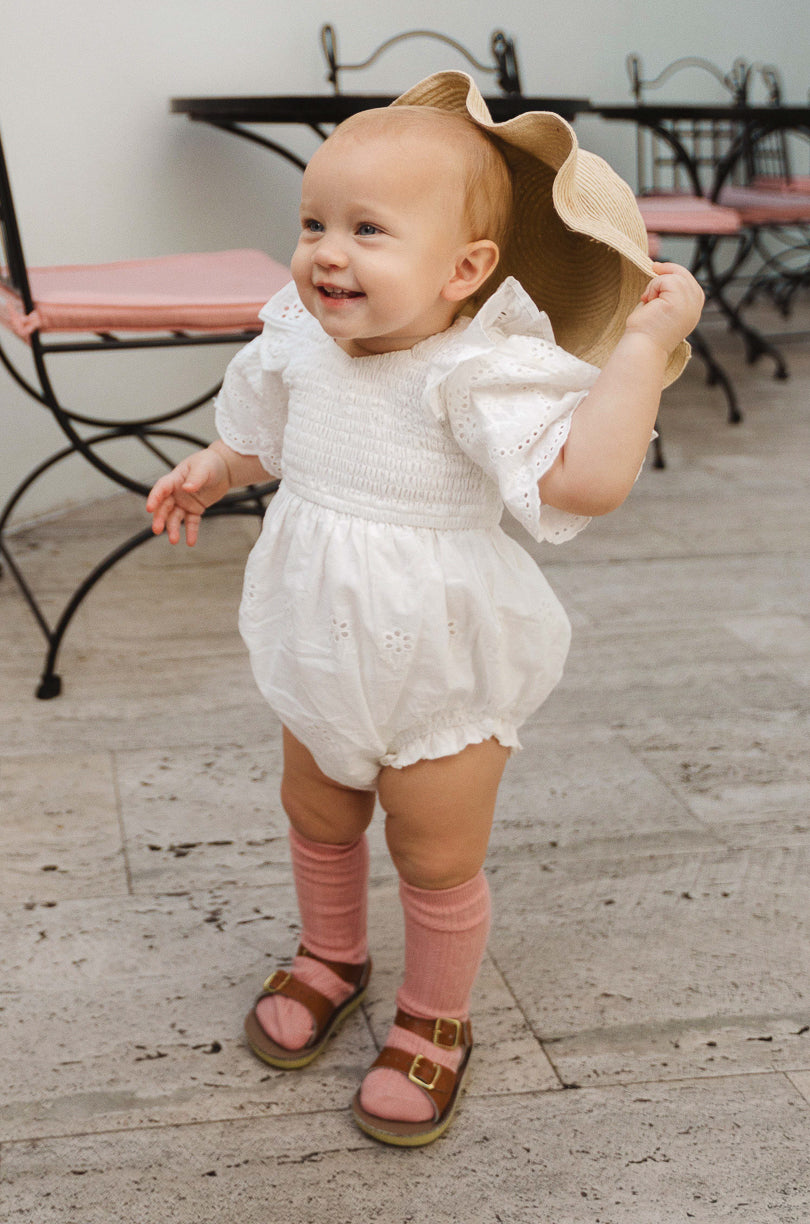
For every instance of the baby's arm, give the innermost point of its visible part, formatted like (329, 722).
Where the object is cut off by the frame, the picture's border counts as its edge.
(182, 495)
(611, 428)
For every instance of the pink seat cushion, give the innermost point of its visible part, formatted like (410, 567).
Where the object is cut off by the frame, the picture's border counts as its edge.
(797, 182)
(760, 206)
(688, 215)
(219, 291)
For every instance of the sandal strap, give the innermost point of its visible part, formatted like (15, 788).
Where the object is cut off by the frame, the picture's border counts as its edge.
(445, 1032)
(349, 971)
(437, 1081)
(283, 982)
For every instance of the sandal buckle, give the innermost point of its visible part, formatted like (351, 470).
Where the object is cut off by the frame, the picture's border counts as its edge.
(439, 1033)
(277, 981)
(416, 1078)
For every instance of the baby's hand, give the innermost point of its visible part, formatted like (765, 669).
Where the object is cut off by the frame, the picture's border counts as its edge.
(183, 495)
(670, 306)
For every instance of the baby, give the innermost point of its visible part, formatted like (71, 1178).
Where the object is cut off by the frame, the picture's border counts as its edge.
(406, 387)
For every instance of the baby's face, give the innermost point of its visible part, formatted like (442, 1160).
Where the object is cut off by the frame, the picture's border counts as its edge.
(382, 227)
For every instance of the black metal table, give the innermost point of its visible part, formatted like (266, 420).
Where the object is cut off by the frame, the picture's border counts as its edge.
(750, 124)
(316, 111)
(754, 123)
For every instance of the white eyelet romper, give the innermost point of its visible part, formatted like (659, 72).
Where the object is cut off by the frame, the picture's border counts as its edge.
(387, 616)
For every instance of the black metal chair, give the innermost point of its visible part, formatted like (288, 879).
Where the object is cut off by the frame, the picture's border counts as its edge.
(692, 184)
(504, 66)
(168, 302)
(782, 230)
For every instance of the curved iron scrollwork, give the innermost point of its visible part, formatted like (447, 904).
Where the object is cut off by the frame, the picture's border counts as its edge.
(504, 69)
(735, 81)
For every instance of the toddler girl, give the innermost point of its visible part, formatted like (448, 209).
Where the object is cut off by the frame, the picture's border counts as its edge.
(406, 386)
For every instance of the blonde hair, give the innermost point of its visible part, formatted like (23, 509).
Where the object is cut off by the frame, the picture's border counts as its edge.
(485, 176)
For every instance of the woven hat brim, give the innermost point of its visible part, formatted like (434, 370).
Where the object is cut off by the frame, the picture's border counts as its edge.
(578, 243)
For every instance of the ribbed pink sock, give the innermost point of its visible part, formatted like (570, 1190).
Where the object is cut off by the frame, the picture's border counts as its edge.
(446, 935)
(332, 887)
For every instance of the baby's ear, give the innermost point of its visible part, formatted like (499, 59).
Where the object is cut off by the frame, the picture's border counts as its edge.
(476, 261)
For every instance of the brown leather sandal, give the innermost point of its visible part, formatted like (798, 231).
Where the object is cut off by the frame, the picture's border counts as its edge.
(441, 1085)
(327, 1015)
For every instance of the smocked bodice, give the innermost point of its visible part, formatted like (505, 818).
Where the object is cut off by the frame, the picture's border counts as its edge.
(441, 435)
(359, 437)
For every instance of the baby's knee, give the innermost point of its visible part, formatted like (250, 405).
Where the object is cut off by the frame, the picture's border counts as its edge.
(324, 811)
(301, 812)
(432, 863)
(317, 807)
(433, 876)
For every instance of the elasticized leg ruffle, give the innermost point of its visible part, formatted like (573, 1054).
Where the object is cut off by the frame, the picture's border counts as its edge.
(451, 739)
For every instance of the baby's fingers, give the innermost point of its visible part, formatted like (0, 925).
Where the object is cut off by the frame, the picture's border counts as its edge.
(192, 529)
(160, 509)
(659, 283)
(677, 287)
(165, 487)
(193, 484)
(177, 519)
(174, 521)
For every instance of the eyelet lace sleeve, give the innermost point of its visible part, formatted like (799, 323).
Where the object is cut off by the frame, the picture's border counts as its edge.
(251, 408)
(509, 393)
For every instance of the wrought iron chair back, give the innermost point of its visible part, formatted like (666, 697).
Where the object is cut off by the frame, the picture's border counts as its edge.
(708, 141)
(88, 433)
(682, 159)
(742, 164)
(13, 272)
(784, 245)
(769, 159)
(504, 66)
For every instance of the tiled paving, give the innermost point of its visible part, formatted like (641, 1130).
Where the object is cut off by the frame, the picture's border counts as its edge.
(643, 1014)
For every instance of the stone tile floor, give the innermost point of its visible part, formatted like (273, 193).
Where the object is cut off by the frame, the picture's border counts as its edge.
(643, 1014)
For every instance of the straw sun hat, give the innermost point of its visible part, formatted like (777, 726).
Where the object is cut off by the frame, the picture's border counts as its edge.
(577, 242)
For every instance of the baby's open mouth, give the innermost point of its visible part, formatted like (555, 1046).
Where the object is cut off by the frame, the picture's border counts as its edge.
(330, 292)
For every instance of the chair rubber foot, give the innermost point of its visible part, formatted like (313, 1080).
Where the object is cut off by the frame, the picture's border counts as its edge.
(49, 686)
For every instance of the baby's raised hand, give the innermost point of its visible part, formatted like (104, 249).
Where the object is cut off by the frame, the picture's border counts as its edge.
(182, 495)
(670, 306)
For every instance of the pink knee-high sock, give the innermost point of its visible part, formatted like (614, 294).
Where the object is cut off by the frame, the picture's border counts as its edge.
(332, 887)
(446, 933)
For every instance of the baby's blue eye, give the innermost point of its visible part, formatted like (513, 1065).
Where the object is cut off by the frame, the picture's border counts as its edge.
(366, 230)
(313, 227)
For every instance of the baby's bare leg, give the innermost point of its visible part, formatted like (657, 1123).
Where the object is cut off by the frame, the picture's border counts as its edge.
(439, 814)
(439, 817)
(330, 867)
(317, 807)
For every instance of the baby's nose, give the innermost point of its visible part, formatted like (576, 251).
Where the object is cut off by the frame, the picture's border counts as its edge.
(330, 253)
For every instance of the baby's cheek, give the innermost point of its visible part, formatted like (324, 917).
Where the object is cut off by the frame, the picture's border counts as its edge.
(299, 266)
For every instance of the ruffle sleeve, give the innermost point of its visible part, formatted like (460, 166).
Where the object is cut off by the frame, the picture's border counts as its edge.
(508, 393)
(251, 407)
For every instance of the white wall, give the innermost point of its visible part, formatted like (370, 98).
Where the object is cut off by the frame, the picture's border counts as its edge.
(102, 170)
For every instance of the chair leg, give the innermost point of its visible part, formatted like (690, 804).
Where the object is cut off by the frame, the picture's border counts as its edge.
(754, 343)
(252, 502)
(716, 375)
(50, 684)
